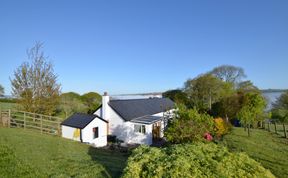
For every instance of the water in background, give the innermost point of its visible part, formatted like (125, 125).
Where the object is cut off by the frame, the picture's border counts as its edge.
(126, 97)
(271, 97)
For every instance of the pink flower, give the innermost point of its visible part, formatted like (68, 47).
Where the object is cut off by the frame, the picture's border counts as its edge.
(208, 136)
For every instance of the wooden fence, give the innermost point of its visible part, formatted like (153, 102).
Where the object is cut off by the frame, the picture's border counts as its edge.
(278, 128)
(26, 120)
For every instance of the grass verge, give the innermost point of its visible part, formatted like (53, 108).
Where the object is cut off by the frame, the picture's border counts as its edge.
(270, 149)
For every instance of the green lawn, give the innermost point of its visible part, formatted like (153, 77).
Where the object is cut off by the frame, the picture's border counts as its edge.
(270, 149)
(52, 156)
(4, 105)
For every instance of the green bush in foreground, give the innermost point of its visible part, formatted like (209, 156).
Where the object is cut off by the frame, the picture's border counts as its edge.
(192, 160)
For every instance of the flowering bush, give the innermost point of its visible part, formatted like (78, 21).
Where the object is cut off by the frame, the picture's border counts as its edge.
(188, 125)
(221, 127)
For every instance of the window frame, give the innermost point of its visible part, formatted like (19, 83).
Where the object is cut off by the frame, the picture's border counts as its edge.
(141, 128)
(95, 132)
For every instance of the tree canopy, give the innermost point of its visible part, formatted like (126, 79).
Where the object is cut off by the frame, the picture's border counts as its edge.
(35, 84)
(205, 90)
(229, 73)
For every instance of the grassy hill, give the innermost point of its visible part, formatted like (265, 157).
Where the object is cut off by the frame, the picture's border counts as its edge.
(30, 154)
(269, 149)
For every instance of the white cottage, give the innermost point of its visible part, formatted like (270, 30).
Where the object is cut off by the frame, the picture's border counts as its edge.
(136, 120)
(86, 128)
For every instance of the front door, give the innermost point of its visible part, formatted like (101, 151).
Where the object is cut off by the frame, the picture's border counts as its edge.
(156, 130)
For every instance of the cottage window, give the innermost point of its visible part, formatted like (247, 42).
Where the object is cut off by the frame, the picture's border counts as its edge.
(140, 129)
(95, 132)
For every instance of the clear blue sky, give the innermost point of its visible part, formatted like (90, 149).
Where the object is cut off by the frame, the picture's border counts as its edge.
(146, 45)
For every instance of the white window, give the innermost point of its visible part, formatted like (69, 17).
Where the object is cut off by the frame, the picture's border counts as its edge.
(140, 129)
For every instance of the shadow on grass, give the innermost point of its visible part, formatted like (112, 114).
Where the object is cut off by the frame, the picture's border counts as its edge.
(113, 161)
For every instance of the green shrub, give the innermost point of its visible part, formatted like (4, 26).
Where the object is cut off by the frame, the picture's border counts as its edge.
(192, 160)
(188, 125)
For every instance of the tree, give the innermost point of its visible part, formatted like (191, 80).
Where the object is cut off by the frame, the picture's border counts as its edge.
(252, 109)
(92, 100)
(205, 90)
(228, 73)
(1, 90)
(188, 125)
(35, 83)
(178, 96)
(70, 103)
(280, 110)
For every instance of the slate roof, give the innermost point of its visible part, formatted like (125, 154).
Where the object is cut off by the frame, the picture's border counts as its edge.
(135, 108)
(80, 120)
(146, 119)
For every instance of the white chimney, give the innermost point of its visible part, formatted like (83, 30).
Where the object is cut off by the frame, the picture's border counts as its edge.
(105, 107)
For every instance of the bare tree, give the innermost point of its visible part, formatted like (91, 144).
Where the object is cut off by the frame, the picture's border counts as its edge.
(35, 83)
(229, 73)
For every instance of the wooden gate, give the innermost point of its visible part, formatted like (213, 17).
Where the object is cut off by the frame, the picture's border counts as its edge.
(32, 121)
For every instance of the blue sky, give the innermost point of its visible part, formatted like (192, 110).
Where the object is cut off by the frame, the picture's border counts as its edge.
(146, 46)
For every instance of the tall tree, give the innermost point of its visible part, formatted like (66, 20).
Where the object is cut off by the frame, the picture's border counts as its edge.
(252, 109)
(1, 90)
(280, 110)
(35, 83)
(229, 73)
(205, 90)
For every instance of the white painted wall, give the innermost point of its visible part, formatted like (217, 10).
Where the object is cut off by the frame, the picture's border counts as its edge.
(87, 133)
(68, 132)
(126, 133)
(125, 130)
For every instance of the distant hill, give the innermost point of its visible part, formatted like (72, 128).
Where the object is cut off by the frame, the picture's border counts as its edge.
(273, 90)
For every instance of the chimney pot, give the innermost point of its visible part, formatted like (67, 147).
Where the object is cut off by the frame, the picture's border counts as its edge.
(105, 93)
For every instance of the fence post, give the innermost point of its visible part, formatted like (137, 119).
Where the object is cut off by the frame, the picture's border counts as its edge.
(284, 129)
(269, 126)
(24, 120)
(58, 124)
(9, 118)
(275, 127)
(41, 120)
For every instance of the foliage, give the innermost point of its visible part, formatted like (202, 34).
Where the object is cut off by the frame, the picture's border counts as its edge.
(1, 90)
(221, 127)
(178, 96)
(191, 160)
(252, 109)
(280, 108)
(54, 157)
(72, 102)
(228, 73)
(35, 84)
(188, 125)
(205, 90)
(269, 149)
(92, 100)
(228, 107)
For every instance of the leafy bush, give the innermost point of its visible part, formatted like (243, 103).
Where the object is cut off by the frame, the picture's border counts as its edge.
(192, 160)
(188, 125)
(221, 127)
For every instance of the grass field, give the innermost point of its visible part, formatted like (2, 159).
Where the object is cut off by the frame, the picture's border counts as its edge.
(4, 105)
(51, 156)
(270, 149)
(279, 128)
